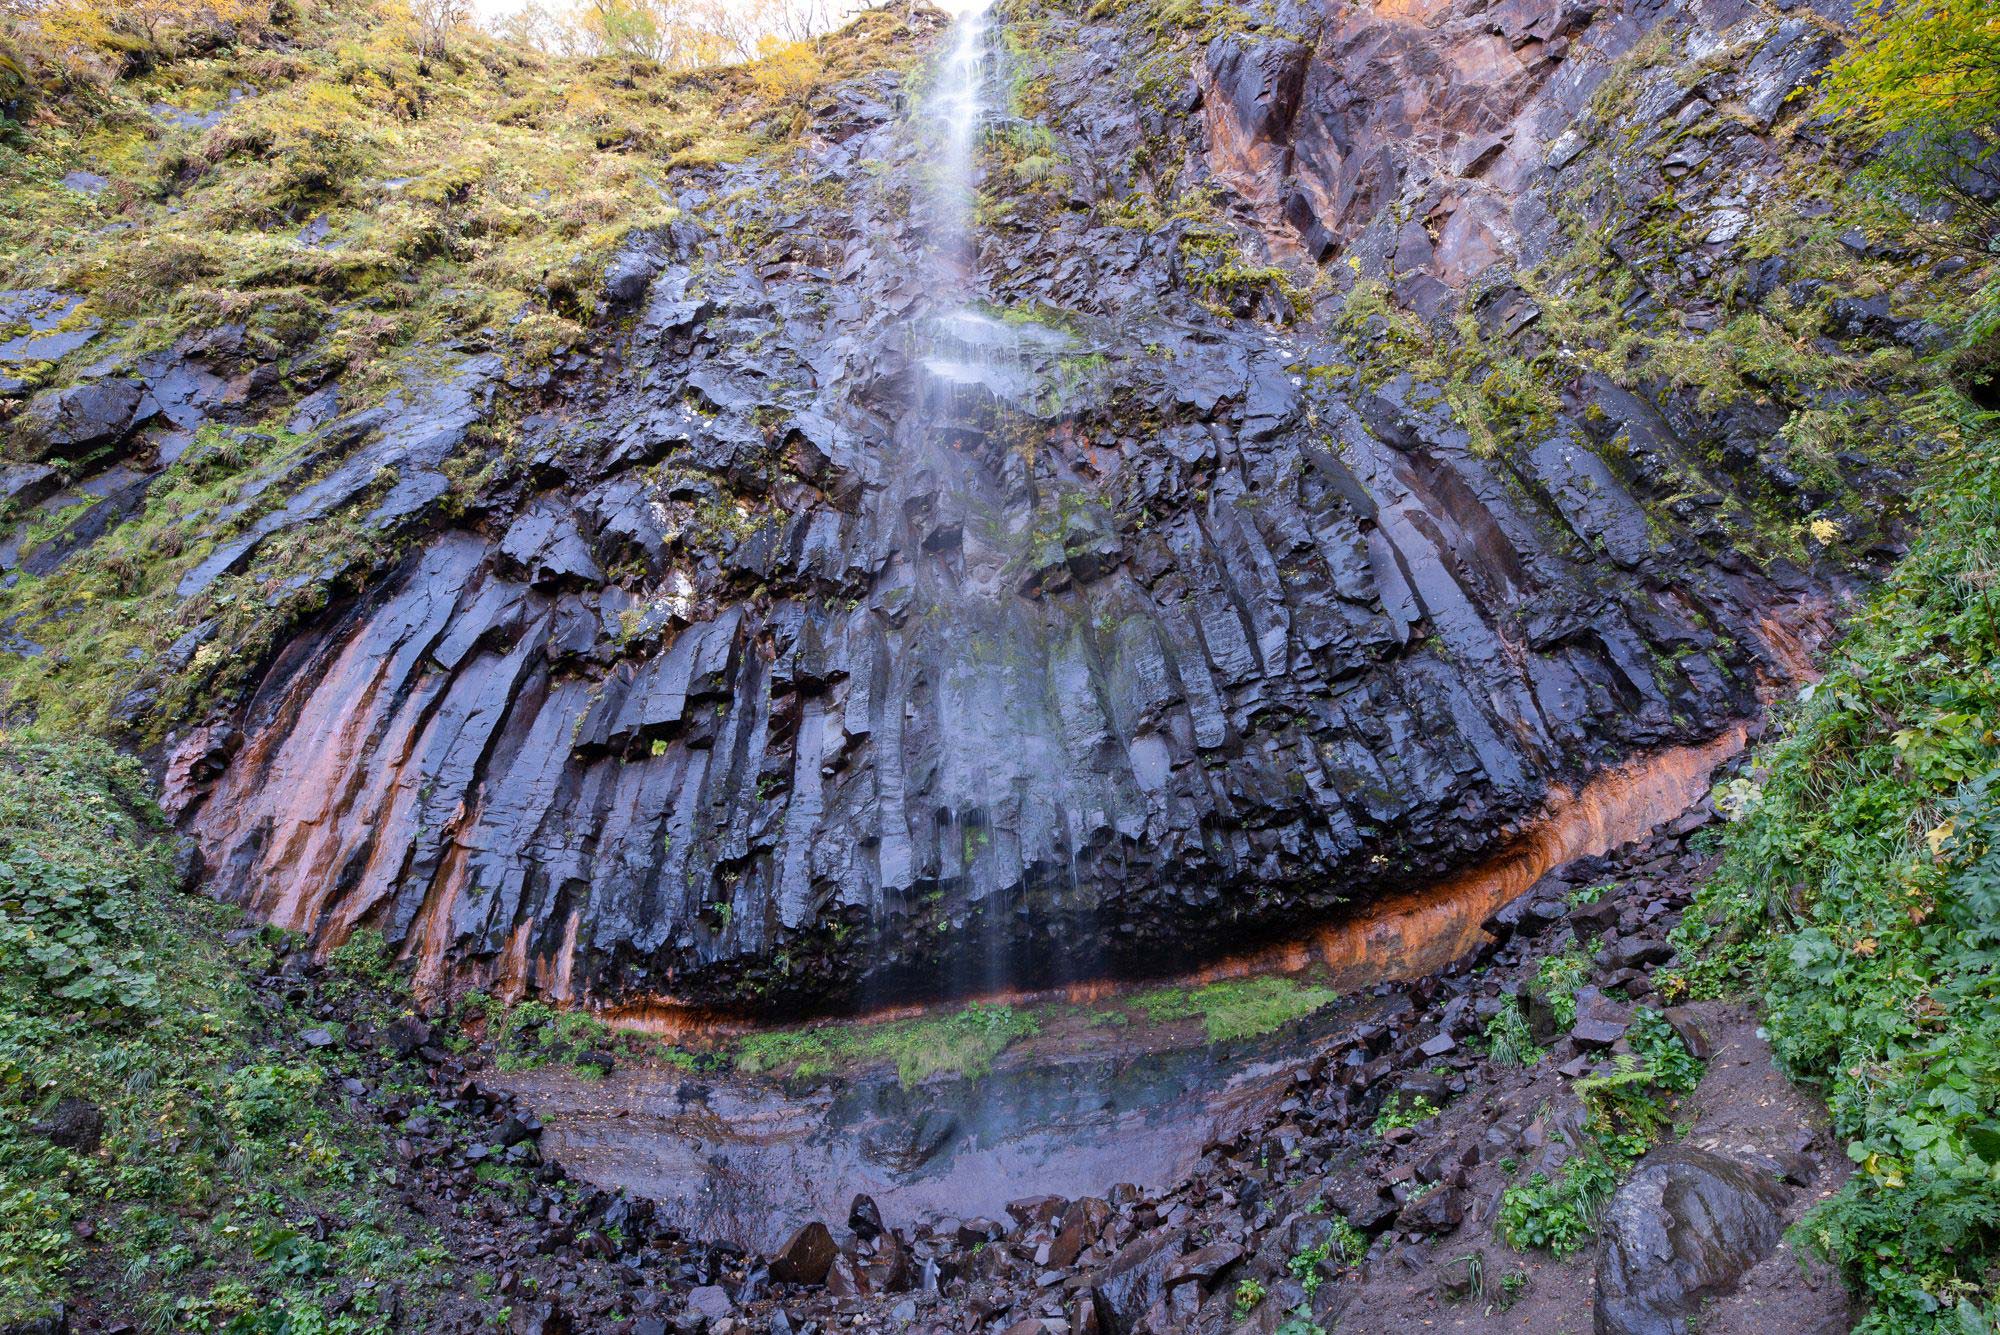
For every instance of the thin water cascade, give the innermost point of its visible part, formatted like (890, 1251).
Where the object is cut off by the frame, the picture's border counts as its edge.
(965, 496)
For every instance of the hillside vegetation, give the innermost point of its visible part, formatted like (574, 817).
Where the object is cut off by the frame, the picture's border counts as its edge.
(1860, 889)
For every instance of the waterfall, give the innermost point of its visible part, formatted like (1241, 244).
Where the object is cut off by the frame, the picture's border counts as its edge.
(957, 104)
(998, 844)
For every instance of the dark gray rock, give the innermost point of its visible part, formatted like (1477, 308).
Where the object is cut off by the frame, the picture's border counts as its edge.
(69, 422)
(805, 1257)
(1680, 1230)
(74, 1124)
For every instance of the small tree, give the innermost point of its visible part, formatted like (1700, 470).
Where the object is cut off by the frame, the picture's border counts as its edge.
(436, 21)
(785, 71)
(1922, 80)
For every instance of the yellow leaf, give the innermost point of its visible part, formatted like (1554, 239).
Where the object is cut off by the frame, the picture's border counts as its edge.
(1937, 836)
(1865, 947)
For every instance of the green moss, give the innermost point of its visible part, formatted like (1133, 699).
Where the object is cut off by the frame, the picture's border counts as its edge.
(117, 991)
(1242, 1008)
(961, 1043)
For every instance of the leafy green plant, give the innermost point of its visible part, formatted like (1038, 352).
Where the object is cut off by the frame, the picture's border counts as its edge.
(1558, 977)
(1558, 1216)
(1396, 1112)
(1589, 894)
(213, 1146)
(1860, 892)
(1249, 1292)
(1625, 1111)
(1665, 1053)
(1343, 1240)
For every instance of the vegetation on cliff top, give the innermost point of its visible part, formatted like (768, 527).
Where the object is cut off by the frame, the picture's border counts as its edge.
(364, 200)
(344, 184)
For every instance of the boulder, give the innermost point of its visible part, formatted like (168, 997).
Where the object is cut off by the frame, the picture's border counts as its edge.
(805, 1256)
(1680, 1231)
(864, 1217)
(1437, 1211)
(1134, 1280)
(72, 421)
(710, 1301)
(74, 1124)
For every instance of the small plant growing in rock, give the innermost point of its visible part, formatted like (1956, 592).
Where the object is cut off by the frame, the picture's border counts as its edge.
(1665, 1053)
(1248, 1294)
(1508, 1041)
(1396, 1113)
(1558, 978)
(1589, 894)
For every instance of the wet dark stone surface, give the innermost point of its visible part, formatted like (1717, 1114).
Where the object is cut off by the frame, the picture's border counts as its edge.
(1679, 1231)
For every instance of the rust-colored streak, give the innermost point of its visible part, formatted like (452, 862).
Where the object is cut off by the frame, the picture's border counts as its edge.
(294, 782)
(1404, 935)
(431, 936)
(510, 980)
(1791, 639)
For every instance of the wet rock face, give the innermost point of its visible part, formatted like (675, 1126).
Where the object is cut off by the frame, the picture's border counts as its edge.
(827, 648)
(1679, 1231)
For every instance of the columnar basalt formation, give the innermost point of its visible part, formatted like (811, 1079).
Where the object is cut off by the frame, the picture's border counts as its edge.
(1215, 617)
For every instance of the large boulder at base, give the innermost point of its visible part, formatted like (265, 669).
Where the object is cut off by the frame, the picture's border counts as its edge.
(1680, 1231)
(806, 1258)
(1135, 1279)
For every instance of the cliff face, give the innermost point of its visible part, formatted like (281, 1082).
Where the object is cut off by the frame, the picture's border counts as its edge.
(1320, 488)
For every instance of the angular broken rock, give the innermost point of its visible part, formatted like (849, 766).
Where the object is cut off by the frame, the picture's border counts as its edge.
(864, 1217)
(804, 1259)
(1680, 1231)
(1204, 1264)
(1135, 1279)
(1596, 1035)
(1437, 1211)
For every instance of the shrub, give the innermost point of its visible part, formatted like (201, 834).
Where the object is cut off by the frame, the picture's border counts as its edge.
(1396, 1113)
(1558, 978)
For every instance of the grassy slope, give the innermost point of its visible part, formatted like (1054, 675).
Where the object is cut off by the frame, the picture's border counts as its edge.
(467, 202)
(1861, 891)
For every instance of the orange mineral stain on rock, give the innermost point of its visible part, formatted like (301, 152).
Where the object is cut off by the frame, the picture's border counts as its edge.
(1403, 935)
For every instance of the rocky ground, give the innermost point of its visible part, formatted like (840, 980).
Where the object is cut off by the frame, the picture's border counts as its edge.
(1239, 1246)
(528, 1249)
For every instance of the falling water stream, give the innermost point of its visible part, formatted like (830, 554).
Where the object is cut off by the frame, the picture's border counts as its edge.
(969, 503)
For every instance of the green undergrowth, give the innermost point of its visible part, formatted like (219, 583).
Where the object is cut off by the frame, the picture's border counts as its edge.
(1626, 1109)
(1241, 1008)
(529, 1035)
(1557, 978)
(961, 1043)
(227, 1192)
(1860, 892)
(1398, 1113)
